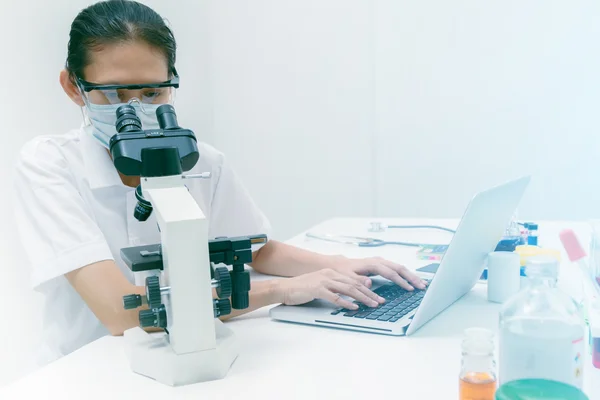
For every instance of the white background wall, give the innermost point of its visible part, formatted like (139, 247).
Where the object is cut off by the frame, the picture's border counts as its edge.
(471, 93)
(341, 108)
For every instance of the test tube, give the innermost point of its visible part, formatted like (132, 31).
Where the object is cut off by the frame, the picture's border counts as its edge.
(594, 330)
(594, 256)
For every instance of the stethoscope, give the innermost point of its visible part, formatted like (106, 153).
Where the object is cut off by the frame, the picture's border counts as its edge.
(380, 227)
(373, 242)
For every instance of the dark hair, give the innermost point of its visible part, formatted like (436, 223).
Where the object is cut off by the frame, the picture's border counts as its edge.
(116, 21)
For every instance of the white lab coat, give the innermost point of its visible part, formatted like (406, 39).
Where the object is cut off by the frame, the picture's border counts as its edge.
(72, 210)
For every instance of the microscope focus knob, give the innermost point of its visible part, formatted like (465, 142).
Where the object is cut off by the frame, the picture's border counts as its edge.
(222, 307)
(241, 286)
(132, 301)
(153, 291)
(222, 276)
(154, 317)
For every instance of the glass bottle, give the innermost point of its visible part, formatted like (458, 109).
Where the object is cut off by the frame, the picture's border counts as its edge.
(512, 229)
(478, 368)
(532, 233)
(541, 330)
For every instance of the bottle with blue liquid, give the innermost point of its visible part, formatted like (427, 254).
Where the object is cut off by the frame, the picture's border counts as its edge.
(512, 236)
(531, 230)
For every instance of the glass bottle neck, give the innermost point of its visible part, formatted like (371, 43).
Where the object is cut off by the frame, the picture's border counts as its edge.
(477, 363)
(541, 280)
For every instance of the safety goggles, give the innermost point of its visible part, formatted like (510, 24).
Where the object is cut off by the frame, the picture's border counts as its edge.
(148, 93)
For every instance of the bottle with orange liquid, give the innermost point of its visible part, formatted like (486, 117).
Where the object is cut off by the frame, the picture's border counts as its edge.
(478, 370)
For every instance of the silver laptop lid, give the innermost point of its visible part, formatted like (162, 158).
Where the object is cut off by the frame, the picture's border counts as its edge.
(478, 233)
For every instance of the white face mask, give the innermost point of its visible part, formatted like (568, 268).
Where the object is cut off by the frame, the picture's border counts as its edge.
(103, 118)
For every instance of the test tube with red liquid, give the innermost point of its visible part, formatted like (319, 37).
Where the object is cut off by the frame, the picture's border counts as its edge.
(596, 352)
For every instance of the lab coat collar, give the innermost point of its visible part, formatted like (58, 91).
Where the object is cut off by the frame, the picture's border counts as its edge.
(99, 168)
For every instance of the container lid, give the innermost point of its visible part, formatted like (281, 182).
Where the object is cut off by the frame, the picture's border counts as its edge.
(526, 251)
(542, 265)
(537, 389)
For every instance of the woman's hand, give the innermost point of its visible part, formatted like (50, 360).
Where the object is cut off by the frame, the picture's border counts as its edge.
(396, 273)
(327, 284)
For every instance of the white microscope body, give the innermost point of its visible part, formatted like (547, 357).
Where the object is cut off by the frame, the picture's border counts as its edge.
(194, 345)
(198, 346)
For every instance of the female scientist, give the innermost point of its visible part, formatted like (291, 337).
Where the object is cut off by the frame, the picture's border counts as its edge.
(75, 211)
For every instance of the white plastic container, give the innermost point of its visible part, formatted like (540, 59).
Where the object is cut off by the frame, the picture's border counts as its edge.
(504, 275)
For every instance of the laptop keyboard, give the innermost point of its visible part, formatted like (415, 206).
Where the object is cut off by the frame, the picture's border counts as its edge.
(398, 303)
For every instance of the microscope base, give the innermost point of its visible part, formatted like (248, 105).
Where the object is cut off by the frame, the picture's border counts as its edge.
(151, 355)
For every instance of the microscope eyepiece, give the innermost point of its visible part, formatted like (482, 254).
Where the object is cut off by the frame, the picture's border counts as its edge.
(127, 120)
(125, 109)
(167, 119)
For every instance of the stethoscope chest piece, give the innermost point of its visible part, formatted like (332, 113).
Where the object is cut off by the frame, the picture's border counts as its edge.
(377, 227)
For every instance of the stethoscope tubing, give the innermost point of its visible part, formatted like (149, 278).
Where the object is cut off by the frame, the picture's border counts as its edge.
(372, 242)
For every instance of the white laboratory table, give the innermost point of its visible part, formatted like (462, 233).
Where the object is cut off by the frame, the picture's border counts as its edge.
(288, 361)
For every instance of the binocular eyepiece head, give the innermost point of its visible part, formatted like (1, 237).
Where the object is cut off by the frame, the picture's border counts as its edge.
(161, 158)
(128, 121)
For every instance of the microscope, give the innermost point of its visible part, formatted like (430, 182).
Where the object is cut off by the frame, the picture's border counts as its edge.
(191, 344)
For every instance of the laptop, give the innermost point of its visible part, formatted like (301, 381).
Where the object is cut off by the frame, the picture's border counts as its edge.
(404, 312)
